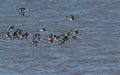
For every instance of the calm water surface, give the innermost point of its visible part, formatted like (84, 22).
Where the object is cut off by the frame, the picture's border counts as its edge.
(95, 52)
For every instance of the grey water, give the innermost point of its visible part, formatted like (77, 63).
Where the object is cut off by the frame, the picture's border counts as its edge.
(95, 52)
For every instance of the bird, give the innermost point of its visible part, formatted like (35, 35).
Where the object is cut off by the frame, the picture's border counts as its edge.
(75, 32)
(50, 38)
(67, 34)
(23, 35)
(71, 17)
(63, 38)
(42, 29)
(8, 36)
(17, 33)
(10, 28)
(36, 36)
(35, 43)
(22, 11)
(73, 37)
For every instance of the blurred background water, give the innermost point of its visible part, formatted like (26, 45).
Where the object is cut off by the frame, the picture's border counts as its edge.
(95, 52)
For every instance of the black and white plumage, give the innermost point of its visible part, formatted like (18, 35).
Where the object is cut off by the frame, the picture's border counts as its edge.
(22, 11)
